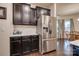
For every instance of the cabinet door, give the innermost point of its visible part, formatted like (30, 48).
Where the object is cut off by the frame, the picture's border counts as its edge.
(26, 44)
(15, 46)
(26, 14)
(17, 15)
(35, 43)
(42, 11)
(33, 20)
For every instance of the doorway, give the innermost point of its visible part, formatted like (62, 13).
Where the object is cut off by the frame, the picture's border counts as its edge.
(64, 26)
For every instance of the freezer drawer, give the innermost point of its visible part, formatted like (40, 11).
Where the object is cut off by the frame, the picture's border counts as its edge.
(50, 45)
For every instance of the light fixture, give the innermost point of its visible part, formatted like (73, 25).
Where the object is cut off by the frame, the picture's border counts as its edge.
(78, 19)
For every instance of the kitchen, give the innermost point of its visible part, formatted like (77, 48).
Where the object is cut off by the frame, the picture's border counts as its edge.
(21, 25)
(31, 29)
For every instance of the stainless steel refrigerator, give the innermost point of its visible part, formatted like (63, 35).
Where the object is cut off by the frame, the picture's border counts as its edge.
(46, 28)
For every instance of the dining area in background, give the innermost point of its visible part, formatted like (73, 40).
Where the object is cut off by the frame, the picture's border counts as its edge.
(74, 35)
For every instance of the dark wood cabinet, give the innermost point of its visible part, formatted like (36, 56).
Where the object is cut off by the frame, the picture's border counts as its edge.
(33, 20)
(15, 46)
(26, 14)
(42, 11)
(23, 45)
(17, 14)
(30, 44)
(35, 43)
(23, 14)
(26, 44)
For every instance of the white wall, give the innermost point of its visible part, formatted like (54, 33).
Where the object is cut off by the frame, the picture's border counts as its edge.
(53, 18)
(25, 29)
(5, 30)
(53, 22)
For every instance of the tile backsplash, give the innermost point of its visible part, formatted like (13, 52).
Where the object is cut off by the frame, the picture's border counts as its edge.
(25, 29)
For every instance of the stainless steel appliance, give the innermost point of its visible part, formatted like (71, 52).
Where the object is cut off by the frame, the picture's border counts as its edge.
(47, 33)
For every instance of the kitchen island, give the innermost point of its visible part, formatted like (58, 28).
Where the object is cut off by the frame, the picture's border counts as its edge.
(75, 46)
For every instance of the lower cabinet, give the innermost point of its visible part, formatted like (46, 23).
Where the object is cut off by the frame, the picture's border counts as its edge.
(15, 46)
(26, 45)
(75, 50)
(23, 45)
(35, 43)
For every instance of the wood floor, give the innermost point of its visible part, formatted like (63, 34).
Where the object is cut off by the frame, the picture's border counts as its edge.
(63, 49)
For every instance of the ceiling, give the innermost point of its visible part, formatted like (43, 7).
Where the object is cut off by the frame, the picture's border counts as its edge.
(45, 5)
(62, 8)
(67, 8)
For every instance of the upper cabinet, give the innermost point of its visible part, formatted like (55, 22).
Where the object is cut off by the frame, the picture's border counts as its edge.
(26, 11)
(17, 14)
(42, 11)
(33, 16)
(23, 14)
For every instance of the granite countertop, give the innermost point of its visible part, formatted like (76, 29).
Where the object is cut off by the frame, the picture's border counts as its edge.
(22, 35)
(76, 42)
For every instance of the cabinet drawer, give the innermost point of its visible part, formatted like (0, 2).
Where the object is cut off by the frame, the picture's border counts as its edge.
(35, 37)
(26, 38)
(15, 38)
